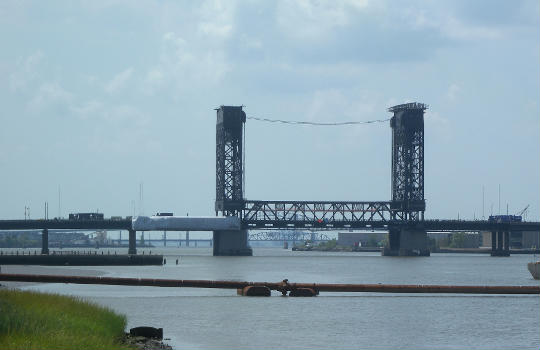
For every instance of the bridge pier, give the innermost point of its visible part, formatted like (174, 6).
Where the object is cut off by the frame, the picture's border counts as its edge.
(231, 243)
(132, 250)
(406, 242)
(500, 243)
(45, 242)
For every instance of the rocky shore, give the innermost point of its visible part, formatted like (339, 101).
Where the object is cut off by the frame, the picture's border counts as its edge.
(144, 343)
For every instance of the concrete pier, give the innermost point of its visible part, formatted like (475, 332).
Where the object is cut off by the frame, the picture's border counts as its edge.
(132, 250)
(407, 242)
(45, 241)
(500, 243)
(231, 243)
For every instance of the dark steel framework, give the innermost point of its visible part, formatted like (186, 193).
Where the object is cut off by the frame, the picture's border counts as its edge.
(288, 235)
(408, 203)
(405, 210)
(291, 214)
(229, 160)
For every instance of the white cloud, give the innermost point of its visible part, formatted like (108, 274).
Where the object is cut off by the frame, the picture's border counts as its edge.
(118, 82)
(456, 29)
(311, 19)
(213, 29)
(185, 65)
(25, 71)
(216, 18)
(435, 118)
(453, 91)
(50, 95)
(88, 110)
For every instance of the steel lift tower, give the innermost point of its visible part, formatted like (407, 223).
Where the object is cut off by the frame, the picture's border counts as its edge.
(408, 203)
(230, 179)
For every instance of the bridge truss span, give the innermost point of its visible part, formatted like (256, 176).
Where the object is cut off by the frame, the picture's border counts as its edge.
(315, 214)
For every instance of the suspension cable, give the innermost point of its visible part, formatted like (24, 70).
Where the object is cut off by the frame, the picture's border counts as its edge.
(297, 122)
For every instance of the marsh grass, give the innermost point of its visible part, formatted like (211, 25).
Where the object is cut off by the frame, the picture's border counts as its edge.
(30, 320)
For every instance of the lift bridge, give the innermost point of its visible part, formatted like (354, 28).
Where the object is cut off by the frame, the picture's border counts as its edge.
(399, 215)
(402, 216)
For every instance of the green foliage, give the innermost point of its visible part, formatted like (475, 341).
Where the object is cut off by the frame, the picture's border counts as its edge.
(18, 241)
(31, 320)
(372, 241)
(444, 242)
(458, 240)
(328, 245)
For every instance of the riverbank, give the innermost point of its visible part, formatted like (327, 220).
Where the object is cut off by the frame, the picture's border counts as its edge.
(31, 320)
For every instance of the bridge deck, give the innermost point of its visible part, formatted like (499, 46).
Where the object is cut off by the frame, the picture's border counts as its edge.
(285, 218)
(60, 224)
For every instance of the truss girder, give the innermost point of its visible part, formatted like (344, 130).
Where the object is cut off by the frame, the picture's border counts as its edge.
(315, 214)
(284, 235)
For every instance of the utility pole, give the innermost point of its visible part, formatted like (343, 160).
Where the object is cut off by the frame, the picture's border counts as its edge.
(187, 235)
(483, 203)
(59, 204)
(499, 199)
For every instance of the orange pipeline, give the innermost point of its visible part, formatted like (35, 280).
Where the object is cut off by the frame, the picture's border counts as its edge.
(279, 286)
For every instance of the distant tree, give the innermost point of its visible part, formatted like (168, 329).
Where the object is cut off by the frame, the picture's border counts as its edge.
(459, 240)
(433, 244)
(372, 241)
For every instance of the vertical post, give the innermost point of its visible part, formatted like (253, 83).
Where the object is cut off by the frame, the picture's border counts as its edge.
(229, 160)
(507, 242)
(499, 241)
(45, 241)
(408, 203)
(132, 250)
(229, 179)
(187, 235)
(493, 242)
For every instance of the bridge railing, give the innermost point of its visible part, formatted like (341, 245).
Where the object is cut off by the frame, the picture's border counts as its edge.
(315, 214)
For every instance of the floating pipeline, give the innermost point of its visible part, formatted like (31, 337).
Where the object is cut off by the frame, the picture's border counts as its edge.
(294, 289)
(81, 260)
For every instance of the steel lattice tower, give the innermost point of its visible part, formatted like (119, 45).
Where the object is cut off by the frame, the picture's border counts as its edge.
(408, 203)
(229, 160)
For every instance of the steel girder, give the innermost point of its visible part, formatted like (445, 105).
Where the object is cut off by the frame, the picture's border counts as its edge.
(287, 235)
(314, 214)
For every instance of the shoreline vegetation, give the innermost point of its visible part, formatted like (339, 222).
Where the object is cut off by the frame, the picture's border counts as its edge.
(30, 320)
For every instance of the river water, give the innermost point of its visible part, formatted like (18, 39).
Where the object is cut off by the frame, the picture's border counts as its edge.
(210, 319)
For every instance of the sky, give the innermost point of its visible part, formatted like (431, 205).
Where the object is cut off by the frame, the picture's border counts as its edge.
(101, 97)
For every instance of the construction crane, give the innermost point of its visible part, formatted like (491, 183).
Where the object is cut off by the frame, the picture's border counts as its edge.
(524, 211)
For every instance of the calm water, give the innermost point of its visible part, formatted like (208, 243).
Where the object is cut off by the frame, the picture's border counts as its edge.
(203, 318)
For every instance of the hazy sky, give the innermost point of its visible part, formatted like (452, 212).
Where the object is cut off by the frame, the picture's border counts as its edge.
(101, 96)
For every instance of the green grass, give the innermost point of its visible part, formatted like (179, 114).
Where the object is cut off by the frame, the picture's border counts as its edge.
(31, 320)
